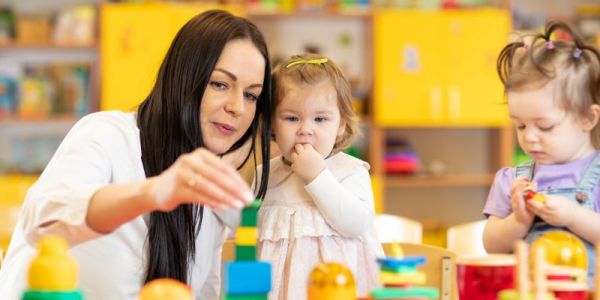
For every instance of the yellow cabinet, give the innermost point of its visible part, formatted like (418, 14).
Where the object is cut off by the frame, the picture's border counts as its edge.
(438, 67)
(134, 40)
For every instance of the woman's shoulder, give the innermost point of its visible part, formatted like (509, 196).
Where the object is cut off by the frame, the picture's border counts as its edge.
(113, 117)
(109, 124)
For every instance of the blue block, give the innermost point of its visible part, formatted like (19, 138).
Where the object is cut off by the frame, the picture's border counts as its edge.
(247, 277)
(407, 261)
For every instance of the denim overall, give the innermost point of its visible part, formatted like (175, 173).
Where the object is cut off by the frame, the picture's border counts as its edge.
(581, 195)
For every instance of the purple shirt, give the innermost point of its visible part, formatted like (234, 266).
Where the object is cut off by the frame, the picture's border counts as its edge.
(545, 176)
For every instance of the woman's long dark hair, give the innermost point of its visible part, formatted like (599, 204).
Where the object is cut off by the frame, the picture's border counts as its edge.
(169, 125)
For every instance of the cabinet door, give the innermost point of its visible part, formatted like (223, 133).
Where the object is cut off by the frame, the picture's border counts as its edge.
(134, 40)
(473, 41)
(408, 68)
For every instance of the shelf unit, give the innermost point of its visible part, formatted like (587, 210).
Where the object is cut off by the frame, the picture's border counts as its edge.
(500, 137)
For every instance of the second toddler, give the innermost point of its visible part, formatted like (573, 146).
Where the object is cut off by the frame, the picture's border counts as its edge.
(319, 202)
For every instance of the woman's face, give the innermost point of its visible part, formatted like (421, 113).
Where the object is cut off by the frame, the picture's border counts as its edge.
(229, 102)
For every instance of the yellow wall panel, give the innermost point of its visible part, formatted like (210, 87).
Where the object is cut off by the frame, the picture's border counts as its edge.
(134, 40)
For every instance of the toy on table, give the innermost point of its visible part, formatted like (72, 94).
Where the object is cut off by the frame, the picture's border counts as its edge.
(52, 273)
(562, 249)
(331, 281)
(531, 194)
(399, 274)
(482, 277)
(246, 278)
(523, 290)
(165, 289)
(566, 259)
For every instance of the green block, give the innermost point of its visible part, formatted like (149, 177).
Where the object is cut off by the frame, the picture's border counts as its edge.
(250, 214)
(245, 253)
(52, 295)
(391, 293)
(400, 269)
(246, 297)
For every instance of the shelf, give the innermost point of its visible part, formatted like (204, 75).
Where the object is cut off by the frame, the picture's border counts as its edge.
(47, 46)
(409, 181)
(52, 118)
(341, 13)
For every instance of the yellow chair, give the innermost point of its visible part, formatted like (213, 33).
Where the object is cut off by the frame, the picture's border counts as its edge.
(391, 228)
(8, 219)
(440, 267)
(467, 238)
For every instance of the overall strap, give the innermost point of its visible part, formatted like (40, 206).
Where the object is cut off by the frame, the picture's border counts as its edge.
(590, 179)
(525, 170)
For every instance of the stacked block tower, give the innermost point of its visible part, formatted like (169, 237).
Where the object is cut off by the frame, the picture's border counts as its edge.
(399, 274)
(53, 274)
(247, 278)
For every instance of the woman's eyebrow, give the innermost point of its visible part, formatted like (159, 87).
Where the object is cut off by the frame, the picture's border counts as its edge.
(234, 78)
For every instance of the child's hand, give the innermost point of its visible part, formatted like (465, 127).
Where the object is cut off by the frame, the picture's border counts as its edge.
(307, 163)
(518, 203)
(556, 210)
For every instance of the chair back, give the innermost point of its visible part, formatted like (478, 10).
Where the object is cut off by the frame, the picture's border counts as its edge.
(391, 228)
(467, 238)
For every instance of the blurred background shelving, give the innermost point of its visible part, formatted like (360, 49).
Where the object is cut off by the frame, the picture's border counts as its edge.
(422, 73)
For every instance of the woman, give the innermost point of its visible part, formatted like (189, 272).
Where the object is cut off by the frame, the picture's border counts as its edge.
(134, 193)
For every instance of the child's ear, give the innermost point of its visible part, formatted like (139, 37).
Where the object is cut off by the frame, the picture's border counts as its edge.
(342, 128)
(591, 117)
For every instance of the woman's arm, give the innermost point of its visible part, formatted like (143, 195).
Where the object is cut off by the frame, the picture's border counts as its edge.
(198, 177)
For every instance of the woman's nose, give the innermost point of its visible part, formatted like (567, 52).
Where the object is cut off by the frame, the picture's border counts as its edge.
(235, 105)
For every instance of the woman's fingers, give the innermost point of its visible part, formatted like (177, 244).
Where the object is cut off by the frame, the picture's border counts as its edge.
(207, 192)
(223, 178)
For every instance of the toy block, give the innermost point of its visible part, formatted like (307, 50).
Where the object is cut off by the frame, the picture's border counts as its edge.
(250, 213)
(407, 261)
(245, 253)
(247, 297)
(402, 278)
(415, 292)
(246, 236)
(247, 277)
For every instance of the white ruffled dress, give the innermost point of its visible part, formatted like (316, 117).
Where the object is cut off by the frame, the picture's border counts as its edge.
(295, 236)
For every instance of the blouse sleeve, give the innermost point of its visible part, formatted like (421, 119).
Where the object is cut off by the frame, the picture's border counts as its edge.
(498, 200)
(346, 205)
(58, 202)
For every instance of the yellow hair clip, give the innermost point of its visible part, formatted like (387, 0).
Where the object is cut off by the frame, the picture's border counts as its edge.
(316, 61)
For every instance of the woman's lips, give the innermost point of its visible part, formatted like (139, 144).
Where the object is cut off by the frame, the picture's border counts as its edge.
(224, 128)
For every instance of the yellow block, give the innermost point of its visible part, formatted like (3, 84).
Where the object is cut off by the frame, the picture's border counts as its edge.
(246, 236)
(403, 278)
(53, 269)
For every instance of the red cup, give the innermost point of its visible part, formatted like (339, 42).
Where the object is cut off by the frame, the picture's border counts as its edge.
(482, 277)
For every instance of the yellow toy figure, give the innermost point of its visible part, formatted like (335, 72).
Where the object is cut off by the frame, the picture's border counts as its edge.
(331, 281)
(53, 273)
(562, 249)
(165, 289)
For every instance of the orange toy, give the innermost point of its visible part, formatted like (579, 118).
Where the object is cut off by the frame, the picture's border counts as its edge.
(165, 289)
(530, 194)
(331, 281)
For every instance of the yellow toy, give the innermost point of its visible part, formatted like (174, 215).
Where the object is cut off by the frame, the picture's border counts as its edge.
(331, 281)
(52, 273)
(53, 269)
(165, 289)
(562, 248)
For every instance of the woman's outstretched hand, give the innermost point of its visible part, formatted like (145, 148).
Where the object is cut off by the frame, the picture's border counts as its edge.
(199, 177)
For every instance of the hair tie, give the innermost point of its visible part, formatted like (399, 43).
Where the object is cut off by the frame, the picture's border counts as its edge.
(316, 61)
(549, 45)
(577, 53)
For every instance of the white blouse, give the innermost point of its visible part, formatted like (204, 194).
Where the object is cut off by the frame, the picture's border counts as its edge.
(102, 148)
